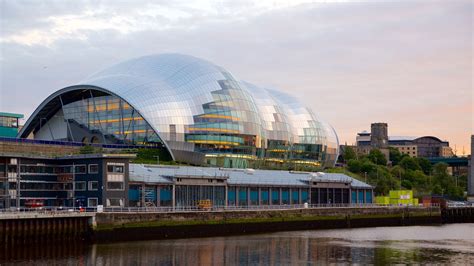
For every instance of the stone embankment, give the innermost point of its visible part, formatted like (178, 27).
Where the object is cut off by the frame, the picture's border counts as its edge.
(25, 227)
(140, 226)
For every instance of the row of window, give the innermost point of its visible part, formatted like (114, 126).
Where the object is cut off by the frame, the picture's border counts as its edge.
(8, 122)
(110, 202)
(54, 169)
(408, 148)
(81, 186)
(94, 186)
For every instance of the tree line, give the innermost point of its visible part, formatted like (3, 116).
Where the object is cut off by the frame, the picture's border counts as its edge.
(403, 172)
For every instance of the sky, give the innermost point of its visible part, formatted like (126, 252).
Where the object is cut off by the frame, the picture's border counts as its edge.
(406, 63)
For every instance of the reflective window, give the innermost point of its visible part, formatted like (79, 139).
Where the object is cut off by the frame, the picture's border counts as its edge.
(111, 116)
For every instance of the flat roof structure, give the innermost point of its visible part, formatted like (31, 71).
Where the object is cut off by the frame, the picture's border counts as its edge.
(239, 177)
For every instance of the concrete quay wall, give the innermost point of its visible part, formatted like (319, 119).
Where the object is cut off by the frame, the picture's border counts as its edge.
(140, 226)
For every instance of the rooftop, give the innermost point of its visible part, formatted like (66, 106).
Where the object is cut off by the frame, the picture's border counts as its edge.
(164, 174)
(4, 114)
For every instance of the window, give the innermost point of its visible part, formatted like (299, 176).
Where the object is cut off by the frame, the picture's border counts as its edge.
(93, 168)
(80, 169)
(114, 202)
(92, 202)
(80, 186)
(115, 168)
(93, 185)
(114, 185)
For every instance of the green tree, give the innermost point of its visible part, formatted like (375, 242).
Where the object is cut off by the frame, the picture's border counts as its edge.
(409, 163)
(395, 156)
(368, 166)
(349, 154)
(425, 165)
(377, 157)
(354, 166)
(440, 170)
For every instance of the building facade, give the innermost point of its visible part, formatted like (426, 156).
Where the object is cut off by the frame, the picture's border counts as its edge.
(179, 187)
(69, 181)
(426, 146)
(410, 150)
(111, 181)
(198, 111)
(9, 124)
(470, 178)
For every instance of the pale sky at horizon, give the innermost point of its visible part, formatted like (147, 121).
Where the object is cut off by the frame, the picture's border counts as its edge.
(407, 63)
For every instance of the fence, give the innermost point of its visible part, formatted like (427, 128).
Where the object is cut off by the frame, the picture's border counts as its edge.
(214, 208)
(77, 144)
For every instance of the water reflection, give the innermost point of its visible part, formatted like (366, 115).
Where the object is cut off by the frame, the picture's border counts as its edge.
(451, 244)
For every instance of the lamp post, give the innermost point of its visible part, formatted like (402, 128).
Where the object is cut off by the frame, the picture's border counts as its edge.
(400, 176)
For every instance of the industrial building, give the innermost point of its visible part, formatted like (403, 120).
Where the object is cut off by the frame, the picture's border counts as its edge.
(425, 146)
(182, 186)
(111, 181)
(197, 111)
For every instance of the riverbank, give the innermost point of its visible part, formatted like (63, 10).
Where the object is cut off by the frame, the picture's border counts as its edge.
(147, 226)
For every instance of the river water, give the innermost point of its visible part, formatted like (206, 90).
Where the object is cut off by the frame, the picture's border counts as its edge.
(446, 244)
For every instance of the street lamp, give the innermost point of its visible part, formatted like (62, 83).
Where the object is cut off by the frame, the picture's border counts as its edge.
(400, 176)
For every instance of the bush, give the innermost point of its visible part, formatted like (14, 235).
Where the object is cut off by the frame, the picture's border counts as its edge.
(377, 157)
(354, 166)
(87, 150)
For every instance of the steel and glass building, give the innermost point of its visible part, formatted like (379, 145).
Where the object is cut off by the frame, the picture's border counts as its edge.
(199, 112)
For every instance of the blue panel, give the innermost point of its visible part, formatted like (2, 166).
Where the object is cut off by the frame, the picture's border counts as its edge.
(133, 193)
(361, 196)
(368, 196)
(243, 196)
(304, 195)
(165, 194)
(231, 194)
(285, 196)
(265, 195)
(354, 196)
(295, 196)
(275, 196)
(254, 195)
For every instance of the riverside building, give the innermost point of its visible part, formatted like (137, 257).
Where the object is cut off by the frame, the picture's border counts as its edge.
(111, 181)
(198, 112)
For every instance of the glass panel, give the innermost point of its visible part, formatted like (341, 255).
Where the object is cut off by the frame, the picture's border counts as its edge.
(285, 197)
(295, 196)
(254, 196)
(265, 196)
(231, 196)
(304, 195)
(243, 197)
(275, 196)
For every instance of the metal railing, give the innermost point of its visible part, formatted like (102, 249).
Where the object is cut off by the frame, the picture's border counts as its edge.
(78, 144)
(212, 209)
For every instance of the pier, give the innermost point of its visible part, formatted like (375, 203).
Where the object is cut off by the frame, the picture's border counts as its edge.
(44, 226)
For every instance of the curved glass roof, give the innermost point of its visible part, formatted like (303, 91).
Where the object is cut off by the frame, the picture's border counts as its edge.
(197, 107)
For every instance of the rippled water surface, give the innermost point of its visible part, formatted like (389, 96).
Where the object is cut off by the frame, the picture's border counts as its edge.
(447, 244)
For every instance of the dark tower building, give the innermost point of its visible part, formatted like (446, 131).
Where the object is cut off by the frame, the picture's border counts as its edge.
(379, 135)
(470, 181)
